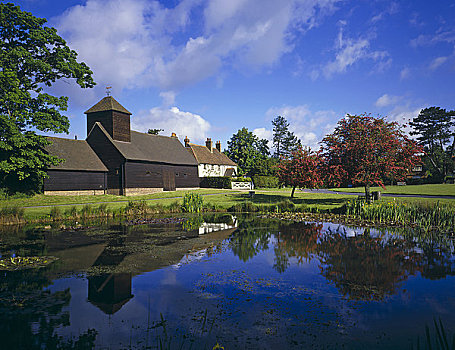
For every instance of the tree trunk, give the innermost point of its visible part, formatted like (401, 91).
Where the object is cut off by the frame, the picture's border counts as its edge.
(293, 190)
(367, 192)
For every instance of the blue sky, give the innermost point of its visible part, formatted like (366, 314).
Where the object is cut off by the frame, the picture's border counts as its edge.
(206, 68)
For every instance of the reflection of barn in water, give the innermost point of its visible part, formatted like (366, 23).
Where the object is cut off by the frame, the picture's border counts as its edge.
(109, 292)
(115, 257)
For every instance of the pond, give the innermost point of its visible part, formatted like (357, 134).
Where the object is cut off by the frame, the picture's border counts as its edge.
(238, 282)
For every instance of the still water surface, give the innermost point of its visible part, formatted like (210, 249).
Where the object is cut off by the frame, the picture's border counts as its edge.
(240, 282)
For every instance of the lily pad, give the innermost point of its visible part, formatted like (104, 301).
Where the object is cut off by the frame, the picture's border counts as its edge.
(25, 262)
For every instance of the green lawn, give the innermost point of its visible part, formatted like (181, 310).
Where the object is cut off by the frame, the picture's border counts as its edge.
(427, 190)
(222, 199)
(42, 200)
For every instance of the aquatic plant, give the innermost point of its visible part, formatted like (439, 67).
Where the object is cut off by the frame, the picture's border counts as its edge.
(192, 202)
(438, 341)
(423, 216)
(11, 215)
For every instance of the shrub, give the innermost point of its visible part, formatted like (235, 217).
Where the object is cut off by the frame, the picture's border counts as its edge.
(216, 182)
(192, 202)
(241, 179)
(265, 181)
(136, 208)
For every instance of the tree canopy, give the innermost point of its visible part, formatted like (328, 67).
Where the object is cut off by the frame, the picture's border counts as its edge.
(364, 150)
(434, 128)
(301, 169)
(248, 151)
(284, 141)
(32, 57)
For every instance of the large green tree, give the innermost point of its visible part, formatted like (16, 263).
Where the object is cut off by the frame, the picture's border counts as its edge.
(434, 130)
(248, 151)
(32, 57)
(284, 141)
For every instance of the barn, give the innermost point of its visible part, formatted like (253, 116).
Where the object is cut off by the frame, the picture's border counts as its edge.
(136, 163)
(80, 173)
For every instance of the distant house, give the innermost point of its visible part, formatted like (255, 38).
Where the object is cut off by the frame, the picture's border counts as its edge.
(133, 162)
(80, 173)
(211, 161)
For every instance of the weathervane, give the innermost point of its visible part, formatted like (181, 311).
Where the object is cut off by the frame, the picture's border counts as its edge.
(108, 90)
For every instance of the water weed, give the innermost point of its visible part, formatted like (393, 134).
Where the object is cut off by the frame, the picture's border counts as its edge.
(192, 203)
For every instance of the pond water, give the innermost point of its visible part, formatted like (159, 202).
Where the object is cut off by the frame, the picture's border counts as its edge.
(240, 282)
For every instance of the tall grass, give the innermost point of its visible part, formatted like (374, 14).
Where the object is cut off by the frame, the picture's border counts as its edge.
(11, 215)
(424, 216)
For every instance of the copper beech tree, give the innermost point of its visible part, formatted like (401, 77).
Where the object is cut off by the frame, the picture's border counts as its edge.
(301, 169)
(364, 150)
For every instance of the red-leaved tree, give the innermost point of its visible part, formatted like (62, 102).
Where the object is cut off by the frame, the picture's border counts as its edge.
(365, 151)
(300, 169)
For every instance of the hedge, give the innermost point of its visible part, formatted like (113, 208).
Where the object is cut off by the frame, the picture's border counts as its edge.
(265, 181)
(216, 182)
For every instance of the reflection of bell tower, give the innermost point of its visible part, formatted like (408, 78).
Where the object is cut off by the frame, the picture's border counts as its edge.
(110, 292)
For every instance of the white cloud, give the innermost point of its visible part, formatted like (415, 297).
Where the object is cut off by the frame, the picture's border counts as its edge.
(349, 51)
(172, 120)
(405, 73)
(310, 127)
(438, 61)
(387, 100)
(137, 43)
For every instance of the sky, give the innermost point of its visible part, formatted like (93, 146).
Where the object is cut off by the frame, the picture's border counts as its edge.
(207, 68)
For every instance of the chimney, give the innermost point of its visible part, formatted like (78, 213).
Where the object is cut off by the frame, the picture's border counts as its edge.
(187, 141)
(173, 134)
(209, 144)
(218, 146)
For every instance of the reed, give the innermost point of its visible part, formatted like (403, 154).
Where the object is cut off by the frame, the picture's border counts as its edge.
(423, 216)
(11, 215)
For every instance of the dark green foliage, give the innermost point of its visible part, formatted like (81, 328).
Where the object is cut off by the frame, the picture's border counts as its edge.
(247, 151)
(434, 130)
(265, 181)
(216, 182)
(284, 141)
(32, 56)
(192, 202)
(241, 179)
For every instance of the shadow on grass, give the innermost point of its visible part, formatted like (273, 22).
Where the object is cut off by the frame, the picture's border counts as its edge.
(274, 198)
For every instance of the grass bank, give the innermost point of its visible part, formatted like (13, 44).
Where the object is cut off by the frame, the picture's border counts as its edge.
(424, 190)
(270, 201)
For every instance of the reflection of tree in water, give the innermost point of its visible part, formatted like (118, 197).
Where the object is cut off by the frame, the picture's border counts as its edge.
(364, 267)
(29, 315)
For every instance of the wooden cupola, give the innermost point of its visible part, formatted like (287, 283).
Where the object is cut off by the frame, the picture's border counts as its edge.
(113, 116)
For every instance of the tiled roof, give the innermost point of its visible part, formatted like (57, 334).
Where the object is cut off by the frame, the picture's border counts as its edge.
(77, 155)
(108, 103)
(204, 156)
(152, 148)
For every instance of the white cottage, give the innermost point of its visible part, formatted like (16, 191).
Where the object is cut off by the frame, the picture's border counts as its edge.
(211, 161)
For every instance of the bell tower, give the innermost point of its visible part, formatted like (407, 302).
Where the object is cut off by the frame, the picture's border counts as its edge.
(113, 117)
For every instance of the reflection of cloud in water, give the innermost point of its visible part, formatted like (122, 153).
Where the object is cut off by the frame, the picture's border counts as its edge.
(169, 278)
